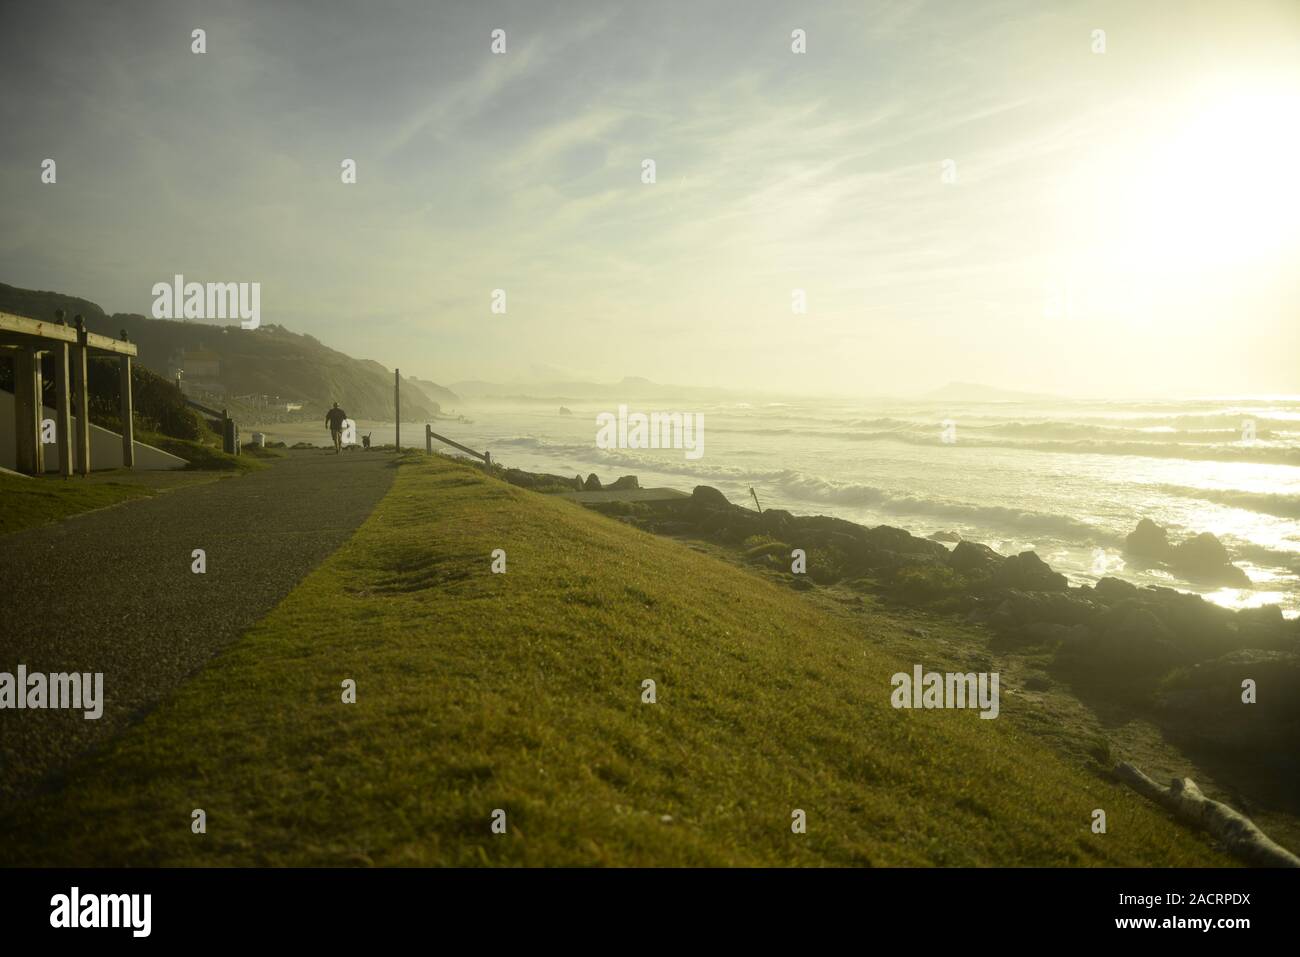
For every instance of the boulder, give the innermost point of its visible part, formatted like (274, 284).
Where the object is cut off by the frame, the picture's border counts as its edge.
(1028, 572)
(706, 496)
(519, 477)
(592, 484)
(1203, 558)
(974, 557)
(891, 539)
(623, 483)
(944, 537)
(1124, 654)
(1204, 702)
(1055, 607)
(1111, 590)
(1148, 541)
(775, 521)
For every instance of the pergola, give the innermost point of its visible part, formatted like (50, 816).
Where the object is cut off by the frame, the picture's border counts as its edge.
(26, 340)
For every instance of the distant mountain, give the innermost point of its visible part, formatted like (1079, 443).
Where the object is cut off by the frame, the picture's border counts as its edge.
(434, 391)
(269, 360)
(972, 392)
(628, 389)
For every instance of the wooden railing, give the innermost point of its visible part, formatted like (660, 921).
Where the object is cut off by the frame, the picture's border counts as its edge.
(430, 435)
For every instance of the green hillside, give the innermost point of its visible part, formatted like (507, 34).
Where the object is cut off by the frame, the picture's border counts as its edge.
(523, 692)
(269, 360)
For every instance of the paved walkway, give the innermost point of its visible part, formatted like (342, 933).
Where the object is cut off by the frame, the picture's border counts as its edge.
(112, 591)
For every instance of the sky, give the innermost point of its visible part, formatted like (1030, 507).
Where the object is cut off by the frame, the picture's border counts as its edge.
(983, 192)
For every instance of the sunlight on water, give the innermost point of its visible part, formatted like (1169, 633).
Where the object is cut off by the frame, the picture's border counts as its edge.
(1068, 480)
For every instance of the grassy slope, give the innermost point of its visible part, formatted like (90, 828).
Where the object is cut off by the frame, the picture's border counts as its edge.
(204, 455)
(26, 502)
(522, 691)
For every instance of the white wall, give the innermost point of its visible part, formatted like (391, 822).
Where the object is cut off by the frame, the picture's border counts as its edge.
(105, 446)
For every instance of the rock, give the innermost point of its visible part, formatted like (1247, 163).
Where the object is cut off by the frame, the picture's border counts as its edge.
(519, 477)
(730, 526)
(592, 484)
(775, 521)
(1028, 572)
(1205, 702)
(1111, 590)
(1203, 558)
(888, 538)
(1149, 541)
(623, 483)
(1055, 607)
(706, 496)
(1043, 633)
(1124, 655)
(944, 537)
(972, 556)
(564, 411)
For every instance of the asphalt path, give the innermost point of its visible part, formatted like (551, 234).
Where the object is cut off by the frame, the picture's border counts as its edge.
(112, 591)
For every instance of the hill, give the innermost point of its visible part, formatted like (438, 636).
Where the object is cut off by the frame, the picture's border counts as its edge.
(524, 691)
(973, 392)
(628, 388)
(434, 391)
(269, 361)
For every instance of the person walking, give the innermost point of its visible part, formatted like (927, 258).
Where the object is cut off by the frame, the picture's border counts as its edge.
(334, 419)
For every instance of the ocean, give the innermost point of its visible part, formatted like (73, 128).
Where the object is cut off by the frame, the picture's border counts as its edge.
(1067, 479)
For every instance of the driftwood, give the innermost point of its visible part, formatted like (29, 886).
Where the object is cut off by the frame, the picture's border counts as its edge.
(1238, 832)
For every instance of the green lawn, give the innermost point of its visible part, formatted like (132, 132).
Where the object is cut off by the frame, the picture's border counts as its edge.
(26, 502)
(522, 691)
(205, 455)
(29, 501)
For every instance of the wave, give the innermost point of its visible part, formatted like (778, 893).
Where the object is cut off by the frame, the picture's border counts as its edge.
(644, 459)
(1224, 452)
(1266, 503)
(1269, 447)
(1262, 555)
(811, 488)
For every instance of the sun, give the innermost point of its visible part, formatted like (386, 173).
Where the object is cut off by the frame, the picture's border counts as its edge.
(1223, 191)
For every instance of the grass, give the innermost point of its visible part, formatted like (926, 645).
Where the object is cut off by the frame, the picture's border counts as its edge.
(201, 455)
(27, 502)
(523, 691)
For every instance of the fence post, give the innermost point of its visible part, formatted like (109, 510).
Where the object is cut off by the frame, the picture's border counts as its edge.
(397, 408)
(81, 392)
(428, 439)
(227, 433)
(128, 409)
(29, 409)
(63, 408)
(487, 457)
